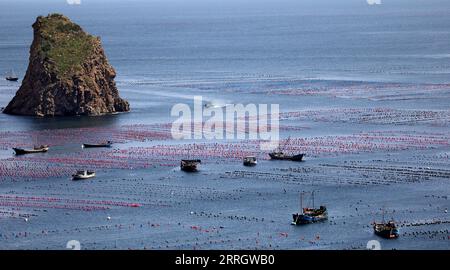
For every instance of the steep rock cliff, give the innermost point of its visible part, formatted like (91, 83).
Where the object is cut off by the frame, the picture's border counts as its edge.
(68, 74)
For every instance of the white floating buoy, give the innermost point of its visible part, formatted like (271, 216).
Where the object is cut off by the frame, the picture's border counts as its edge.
(108, 218)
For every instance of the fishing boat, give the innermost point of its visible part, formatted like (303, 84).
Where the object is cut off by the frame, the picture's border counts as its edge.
(280, 155)
(309, 215)
(250, 161)
(36, 149)
(97, 145)
(83, 175)
(190, 165)
(386, 230)
(12, 77)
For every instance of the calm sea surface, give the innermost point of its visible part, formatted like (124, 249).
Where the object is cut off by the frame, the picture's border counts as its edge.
(384, 69)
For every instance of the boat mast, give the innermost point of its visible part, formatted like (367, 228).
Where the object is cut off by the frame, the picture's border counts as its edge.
(284, 145)
(312, 195)
(301, 202)
(189, 152)
(11, 73)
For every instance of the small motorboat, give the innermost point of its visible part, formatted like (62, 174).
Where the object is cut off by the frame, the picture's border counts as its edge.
(190, 165)
(214, 104)
(12, 77)
(250, 161)
(83, 175)
(97, 145)
(309, 215)
(36, 149)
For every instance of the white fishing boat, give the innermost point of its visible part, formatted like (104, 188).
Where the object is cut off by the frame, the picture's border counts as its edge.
(83, 175)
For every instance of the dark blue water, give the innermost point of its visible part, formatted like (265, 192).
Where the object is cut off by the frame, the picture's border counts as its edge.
(169, 40)
(156, 46)
(166, 51)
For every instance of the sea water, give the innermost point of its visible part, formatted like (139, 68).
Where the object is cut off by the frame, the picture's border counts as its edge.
(165, 52)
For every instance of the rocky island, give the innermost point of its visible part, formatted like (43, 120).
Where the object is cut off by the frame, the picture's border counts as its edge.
(68, 74)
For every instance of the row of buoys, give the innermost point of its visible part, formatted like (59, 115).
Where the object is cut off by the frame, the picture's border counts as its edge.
(58, 137)
(442, 234)
(54, 206)
(82, 229)
(371, 115)
(230, 217)
(15, 198)
(396, 173)
(198, 228)
(433, 222)
(377, 91)
(63, 166)
(301, 179)
(109, 227)
(436, 196)
(15, 169)
(158, 155)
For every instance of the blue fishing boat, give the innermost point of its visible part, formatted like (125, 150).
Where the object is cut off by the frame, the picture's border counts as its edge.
(309, 215)
(386, 230)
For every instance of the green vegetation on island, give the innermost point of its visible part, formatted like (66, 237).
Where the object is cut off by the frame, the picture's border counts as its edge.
(64, 43)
